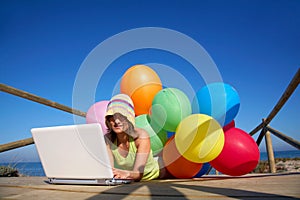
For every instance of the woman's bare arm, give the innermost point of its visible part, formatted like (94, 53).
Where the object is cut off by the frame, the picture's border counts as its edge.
(143, 146)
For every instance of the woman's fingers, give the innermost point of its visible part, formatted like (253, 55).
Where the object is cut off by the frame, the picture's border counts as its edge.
(120, 173)
(117, 173)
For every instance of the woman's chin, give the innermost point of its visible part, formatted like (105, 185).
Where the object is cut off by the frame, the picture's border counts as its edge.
(118, 130)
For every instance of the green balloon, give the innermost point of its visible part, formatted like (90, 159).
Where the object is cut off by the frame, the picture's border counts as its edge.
(169, 107)
(158, 139)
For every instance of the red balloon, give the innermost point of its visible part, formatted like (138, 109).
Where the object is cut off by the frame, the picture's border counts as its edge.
(240, 154)
(176, 164)
(229, 126)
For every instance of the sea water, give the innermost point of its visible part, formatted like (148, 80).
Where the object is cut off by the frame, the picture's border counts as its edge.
(36, 168)
(281, 154)
(27, 168)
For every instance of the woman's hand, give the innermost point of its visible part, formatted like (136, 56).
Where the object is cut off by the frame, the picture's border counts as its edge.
(123, 174)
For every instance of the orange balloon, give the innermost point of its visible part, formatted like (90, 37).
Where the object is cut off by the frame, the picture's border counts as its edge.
(143, 96)
(176, 164)
(141, 83)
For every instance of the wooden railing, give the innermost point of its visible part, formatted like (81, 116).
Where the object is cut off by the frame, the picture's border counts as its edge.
(35, 98)
(266, 130)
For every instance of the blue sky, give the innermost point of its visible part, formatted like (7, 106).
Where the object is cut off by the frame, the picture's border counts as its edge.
(254, 44)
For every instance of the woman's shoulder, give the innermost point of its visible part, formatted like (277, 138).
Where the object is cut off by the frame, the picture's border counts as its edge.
(142, 137)
(141, 133)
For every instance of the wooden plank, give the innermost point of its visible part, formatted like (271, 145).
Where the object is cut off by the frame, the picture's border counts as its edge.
(285, 96)
(256, 129)
(16, 144)
(261, 136)
(253, 186)
(284, 137)
(41, 100)
(35, 98)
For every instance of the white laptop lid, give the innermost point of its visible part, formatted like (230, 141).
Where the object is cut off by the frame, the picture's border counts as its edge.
(73, 152)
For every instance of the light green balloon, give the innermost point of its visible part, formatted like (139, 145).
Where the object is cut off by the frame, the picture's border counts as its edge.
(158, 139)
(169, 107)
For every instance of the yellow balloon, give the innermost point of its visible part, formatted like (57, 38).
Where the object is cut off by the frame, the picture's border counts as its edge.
(199, 138)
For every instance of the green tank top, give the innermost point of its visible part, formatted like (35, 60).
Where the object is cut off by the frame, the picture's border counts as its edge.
(151, 170)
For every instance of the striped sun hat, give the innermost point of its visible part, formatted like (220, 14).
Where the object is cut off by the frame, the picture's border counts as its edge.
(121, 103)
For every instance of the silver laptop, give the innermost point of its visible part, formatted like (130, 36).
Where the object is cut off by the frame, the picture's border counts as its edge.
(75, 154)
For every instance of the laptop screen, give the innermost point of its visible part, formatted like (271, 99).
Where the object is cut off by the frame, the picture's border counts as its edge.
(73, 152)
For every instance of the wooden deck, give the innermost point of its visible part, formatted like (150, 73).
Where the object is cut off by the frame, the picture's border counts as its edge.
(253, 186)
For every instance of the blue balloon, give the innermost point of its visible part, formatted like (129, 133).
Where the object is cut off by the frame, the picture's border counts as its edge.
(170, 134)
(218, 100)
(203, 170)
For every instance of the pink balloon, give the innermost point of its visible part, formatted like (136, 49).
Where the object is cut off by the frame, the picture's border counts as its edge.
(240, 154)
(96, 114)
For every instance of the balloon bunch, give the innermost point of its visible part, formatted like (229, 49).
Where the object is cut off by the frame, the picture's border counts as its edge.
(190, 136)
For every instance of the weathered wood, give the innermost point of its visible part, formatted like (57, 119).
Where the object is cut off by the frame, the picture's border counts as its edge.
(284, 137)
(35, 98)
(270, 152)
(261, 136)
(251, 186)
(285, 96)
(256, 129)
(16, 144)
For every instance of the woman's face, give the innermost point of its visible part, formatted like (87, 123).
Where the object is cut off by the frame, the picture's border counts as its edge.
(118, 123)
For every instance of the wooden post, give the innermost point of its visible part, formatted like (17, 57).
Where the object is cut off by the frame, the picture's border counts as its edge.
(32, 97)
(16, 144)
(261, 136)
(284, 137)
(285, 96)
(256, 129)
(270, 152)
